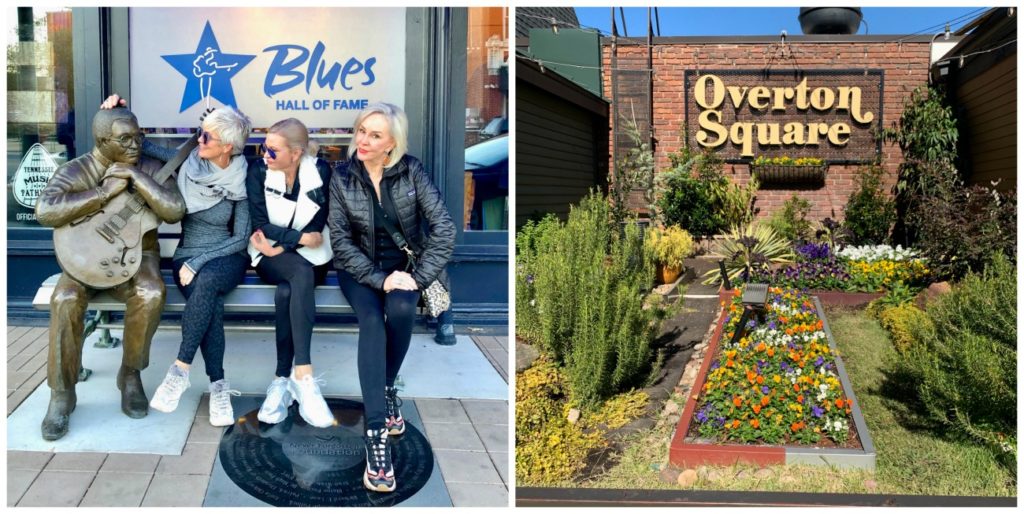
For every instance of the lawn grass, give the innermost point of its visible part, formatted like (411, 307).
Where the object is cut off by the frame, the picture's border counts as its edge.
(914, 456)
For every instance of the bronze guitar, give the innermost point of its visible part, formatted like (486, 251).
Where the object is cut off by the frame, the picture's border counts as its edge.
(104, 249)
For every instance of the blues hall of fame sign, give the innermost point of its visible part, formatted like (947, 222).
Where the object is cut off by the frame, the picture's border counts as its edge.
(319, 65)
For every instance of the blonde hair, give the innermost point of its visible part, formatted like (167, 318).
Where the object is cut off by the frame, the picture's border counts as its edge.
(398, 125)
(296, 134)
(232, 126)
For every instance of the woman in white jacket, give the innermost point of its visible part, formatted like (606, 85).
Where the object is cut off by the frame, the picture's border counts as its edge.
(289, 247)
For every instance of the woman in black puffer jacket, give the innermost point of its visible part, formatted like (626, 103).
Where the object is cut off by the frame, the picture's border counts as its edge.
(379, 181)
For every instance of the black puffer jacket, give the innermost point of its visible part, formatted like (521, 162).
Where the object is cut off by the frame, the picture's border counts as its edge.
(416, 199)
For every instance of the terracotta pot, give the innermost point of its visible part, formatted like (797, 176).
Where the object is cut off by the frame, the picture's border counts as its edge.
(669, 274)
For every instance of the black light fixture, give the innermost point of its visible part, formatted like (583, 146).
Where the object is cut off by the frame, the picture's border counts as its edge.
(755, 303)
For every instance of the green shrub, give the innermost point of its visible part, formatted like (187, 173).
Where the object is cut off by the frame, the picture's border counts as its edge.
(960, 232)
(965, 361)
(549, 449)
(527, 241)
(901, 321)
(688, 202)
(589, 281)
(869, 212)
(735, 203)
(791, 221)
(669, 245)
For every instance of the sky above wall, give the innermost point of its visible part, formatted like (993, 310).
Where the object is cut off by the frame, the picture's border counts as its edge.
(760, 21)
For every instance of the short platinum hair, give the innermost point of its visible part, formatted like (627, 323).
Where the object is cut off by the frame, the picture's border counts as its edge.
(398, 124)
(231, 125)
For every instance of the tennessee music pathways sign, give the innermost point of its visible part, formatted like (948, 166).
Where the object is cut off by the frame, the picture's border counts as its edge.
(318, 65)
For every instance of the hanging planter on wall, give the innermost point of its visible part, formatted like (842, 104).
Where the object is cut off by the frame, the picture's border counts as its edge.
(786, 170)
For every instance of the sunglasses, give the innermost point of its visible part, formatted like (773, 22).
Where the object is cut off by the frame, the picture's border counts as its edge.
(268, 150)
(205, 137)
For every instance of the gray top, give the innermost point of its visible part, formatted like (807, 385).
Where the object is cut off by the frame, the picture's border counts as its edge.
(205, 235)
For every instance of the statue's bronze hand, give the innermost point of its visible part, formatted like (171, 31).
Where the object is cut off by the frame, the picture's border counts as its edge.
(112, 186)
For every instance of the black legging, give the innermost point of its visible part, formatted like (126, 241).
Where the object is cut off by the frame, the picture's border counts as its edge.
(385, 329)
(202, 322)
(295, 308)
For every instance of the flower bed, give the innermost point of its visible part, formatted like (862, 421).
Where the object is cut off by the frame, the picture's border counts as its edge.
(866, 269)
(780, 395)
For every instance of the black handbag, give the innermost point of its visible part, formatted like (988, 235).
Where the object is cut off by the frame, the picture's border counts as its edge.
(435, 297)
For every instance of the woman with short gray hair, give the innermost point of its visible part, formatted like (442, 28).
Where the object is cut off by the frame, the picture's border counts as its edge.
(210, 258)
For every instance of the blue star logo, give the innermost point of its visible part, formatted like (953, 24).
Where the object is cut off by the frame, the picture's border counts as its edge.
(207, 71)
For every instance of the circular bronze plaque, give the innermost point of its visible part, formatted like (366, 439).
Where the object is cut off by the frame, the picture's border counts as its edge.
(293, 464)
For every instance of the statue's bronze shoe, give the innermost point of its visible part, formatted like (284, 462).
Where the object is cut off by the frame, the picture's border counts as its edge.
(133, 398)
(55, 424)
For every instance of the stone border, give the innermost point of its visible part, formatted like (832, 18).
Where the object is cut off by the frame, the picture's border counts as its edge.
(688, 454)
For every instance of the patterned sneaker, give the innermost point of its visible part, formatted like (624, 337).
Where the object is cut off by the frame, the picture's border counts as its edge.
(166, 397)
(394, 421)
(275, 406)
(312, 406)
(221, 413)
(380, 475)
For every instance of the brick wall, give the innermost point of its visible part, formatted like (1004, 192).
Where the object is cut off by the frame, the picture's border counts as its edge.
(905, 65)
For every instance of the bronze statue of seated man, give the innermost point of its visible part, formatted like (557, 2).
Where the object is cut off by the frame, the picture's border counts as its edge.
(99, 188)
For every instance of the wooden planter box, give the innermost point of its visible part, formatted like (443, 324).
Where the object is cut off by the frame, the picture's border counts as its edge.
(788, 174)
(689, 452)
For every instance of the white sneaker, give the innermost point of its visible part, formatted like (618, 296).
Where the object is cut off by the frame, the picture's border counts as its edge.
(312, 406)
(221, 413)
(275, 406)
(166, 397)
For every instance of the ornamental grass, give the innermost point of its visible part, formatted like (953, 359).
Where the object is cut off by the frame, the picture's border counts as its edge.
(779, 383)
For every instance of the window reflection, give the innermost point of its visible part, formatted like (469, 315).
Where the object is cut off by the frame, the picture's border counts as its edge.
(40, 105)
(486, 137)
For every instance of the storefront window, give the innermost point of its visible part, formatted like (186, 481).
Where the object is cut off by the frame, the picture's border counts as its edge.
(486, 140)
(40, 101)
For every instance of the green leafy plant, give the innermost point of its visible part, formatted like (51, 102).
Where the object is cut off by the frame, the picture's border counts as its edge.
(964, 362)
(735, 202)
(749, 248)
(791, 220)
(532, 236)
(926, 133)
(688, 202)
(959, 233)
(669, 245)
(901, 321)
(633, 171)
(869, 212)
(549, 449)
(589, 282)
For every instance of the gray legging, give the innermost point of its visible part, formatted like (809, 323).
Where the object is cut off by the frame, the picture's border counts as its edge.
(202, 322)
(295, 309)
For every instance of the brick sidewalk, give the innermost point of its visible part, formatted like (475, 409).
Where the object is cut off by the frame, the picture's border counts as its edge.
(470, 439)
